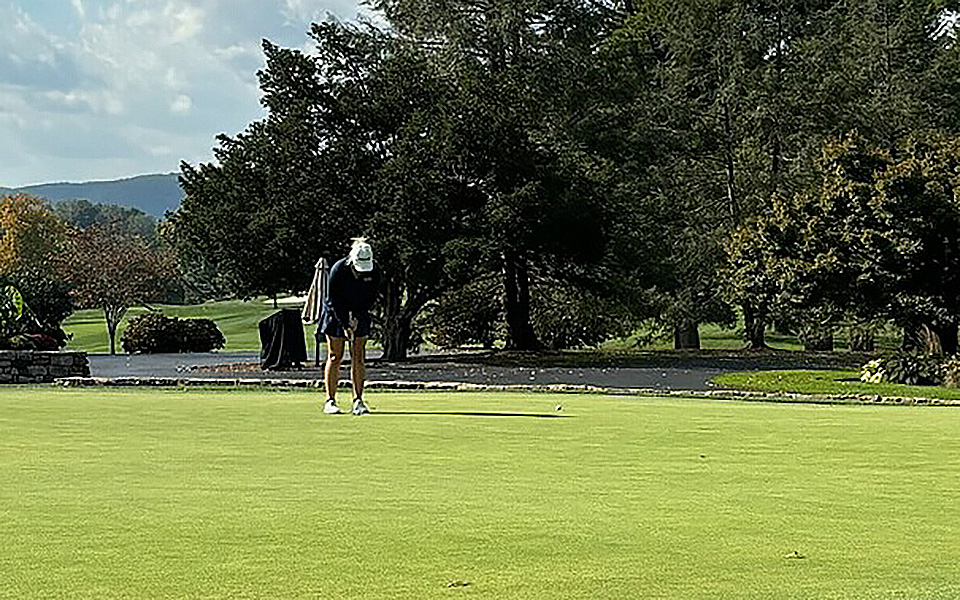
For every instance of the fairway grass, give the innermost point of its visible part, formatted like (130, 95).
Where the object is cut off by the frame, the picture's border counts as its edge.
(801, 381)
(237, 320)
(195, 493)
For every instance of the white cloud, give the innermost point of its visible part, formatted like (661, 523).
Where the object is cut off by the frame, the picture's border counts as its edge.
(187, 20)
(96, 101)
(111, 88)
(78, 6)
(181, 105)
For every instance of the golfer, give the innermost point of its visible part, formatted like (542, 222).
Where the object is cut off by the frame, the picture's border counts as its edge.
(352, 289)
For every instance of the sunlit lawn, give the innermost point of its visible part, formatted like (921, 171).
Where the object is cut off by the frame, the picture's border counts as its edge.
(828, 382)
(240, 494)
(236, 319)
(238, 322)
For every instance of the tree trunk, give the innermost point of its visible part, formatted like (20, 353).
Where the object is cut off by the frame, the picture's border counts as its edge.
(733, 203)
(862, 339)
(396, 329)
(396, 339)
(686, 335)
(516, 284)
(112, 315)
(912, 336)
(942, 339)
(754, 324)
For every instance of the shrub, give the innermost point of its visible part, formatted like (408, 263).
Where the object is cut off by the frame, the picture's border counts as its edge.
(912, 369)
(862, 338)
(20, 329)
(200, 335)
(908, 368)
(566, 317)
(154, 333)
(467, 315)
(950, 372)
(47, 298)
(873, 372)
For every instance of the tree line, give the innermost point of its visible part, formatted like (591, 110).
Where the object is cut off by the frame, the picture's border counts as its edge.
(75, 255)
(550, 173)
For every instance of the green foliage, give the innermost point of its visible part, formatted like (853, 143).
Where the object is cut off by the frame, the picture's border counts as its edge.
(630, 150)
(154, 333)
(872, 371)
(112, 270)
(837, 383)
(907, 368)
(11, 307)
(567, 317)
(47, 296)
(82, 213)
(471, 314)
(880, 239)
(950, 372)
(20, 328)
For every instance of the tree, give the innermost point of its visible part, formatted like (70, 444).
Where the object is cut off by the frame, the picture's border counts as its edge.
(112, 270)
(517, 68)
(29, 233)
(356, 142)
(82, 213)
(31, 239)
(693, 98)
(880, 239)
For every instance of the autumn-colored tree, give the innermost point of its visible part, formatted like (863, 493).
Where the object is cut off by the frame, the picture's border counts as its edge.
(112, 270)
(30, 234)
(31, 237)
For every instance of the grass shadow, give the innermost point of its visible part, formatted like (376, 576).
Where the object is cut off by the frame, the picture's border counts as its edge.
(456, 413)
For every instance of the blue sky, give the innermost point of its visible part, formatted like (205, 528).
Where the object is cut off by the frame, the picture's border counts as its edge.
(103, 89)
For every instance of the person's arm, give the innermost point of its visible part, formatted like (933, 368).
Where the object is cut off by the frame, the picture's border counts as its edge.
(337, 291)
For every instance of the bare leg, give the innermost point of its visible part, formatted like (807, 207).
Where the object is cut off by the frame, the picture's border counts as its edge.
(358, 367)
(331, 370)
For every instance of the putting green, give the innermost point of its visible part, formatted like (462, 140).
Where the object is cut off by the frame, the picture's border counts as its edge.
(230, 494)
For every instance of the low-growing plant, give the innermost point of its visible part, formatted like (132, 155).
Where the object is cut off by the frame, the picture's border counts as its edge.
(908, 368)
(950, 372)
(19, 327)
(872, 372)
(154, 333)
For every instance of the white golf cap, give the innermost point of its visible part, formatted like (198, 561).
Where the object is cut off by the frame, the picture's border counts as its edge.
(361, 256)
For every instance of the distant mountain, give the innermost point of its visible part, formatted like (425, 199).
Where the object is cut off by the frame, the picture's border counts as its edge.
(153, 194)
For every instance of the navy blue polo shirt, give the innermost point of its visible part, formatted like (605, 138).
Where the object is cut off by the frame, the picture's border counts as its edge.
(349, 293)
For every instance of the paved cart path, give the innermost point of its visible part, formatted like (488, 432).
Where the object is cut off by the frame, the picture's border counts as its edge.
(241, 365)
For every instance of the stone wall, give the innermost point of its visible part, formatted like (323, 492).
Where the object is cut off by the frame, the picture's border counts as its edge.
(31, 366)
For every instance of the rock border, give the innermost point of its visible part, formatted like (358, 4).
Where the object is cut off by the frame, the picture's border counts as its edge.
(41, 366)
(564, 388)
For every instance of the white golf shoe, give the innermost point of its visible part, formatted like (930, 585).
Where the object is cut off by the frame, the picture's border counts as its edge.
(331, 407)
(359, 407)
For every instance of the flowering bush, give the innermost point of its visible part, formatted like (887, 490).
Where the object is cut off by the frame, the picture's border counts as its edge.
(908, 368)
(872, 372)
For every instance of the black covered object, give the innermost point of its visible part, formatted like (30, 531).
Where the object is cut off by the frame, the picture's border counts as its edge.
(281, 340)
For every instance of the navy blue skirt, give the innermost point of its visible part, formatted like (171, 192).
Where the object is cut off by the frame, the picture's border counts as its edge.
(329, 325)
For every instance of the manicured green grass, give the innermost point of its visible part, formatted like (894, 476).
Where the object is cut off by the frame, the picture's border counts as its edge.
(235, 318)
(827, 382)
(238, 321)
(714, 337)
(230, 494)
